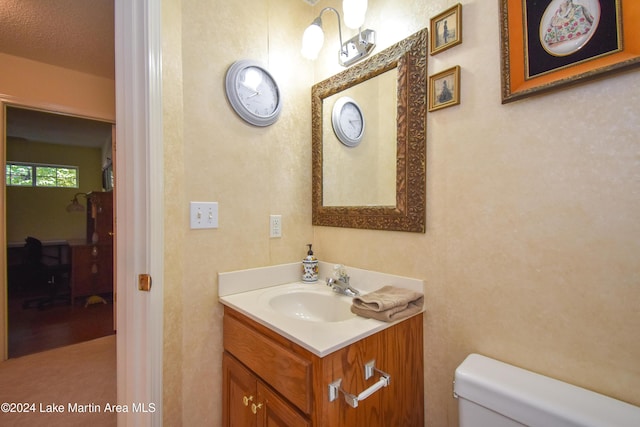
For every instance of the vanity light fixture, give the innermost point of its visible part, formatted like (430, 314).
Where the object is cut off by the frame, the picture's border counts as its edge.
(356, 48)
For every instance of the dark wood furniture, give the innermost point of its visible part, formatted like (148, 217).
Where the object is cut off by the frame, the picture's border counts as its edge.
(92, 259)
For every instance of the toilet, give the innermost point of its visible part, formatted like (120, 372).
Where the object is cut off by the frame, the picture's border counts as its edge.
(491, 393)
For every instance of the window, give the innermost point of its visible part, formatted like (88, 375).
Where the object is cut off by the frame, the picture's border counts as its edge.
(37, 175)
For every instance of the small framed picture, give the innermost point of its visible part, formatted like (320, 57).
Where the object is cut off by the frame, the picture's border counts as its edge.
(446, 29)
(444, 89)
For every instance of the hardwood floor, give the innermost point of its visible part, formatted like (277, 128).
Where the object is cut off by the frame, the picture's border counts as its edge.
(33, 330)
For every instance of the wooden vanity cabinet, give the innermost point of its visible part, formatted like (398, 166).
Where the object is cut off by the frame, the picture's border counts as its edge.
(289, 385)
(249, 402)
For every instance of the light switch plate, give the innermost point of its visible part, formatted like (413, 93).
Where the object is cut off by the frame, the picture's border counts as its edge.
(203, 215)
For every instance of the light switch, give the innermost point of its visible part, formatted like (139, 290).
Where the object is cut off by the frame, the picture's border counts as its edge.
(203, 215)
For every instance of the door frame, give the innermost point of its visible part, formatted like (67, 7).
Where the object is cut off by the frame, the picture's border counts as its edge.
(17, 102)
(139, 208)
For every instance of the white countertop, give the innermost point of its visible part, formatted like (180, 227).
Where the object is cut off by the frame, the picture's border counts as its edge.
(321, 338)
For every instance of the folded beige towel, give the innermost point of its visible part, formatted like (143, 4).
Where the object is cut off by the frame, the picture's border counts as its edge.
(388, 304)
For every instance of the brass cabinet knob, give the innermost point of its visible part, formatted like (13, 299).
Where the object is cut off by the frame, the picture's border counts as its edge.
(246, 400)
(254, 407)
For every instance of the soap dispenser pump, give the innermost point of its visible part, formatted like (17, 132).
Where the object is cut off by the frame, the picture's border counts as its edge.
(310, 267)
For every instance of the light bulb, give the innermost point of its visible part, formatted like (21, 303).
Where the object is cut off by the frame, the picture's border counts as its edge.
(312, 41)
(354, 12)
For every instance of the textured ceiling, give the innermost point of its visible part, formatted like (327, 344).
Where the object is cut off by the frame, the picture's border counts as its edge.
(74, 34)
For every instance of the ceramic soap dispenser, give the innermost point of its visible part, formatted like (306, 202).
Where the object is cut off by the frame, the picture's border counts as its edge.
(310, 267)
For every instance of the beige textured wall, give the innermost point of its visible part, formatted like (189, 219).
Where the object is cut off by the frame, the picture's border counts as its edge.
(211, 155)
(530, 254)
(50, 87)
(175, 213)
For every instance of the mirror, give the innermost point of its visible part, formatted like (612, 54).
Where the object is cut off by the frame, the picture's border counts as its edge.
(364, 174)
(380, 183)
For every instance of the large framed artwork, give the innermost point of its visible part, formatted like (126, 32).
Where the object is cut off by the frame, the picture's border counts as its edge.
(548, 44)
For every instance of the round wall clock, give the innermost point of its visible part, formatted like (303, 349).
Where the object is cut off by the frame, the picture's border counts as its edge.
(348, 121)
(253, 93)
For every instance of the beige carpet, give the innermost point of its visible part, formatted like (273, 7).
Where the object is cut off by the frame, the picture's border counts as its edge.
(76, 377)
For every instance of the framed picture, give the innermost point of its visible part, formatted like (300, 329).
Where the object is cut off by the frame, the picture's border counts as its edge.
(552, 44)
(444, 89)
(446, 29)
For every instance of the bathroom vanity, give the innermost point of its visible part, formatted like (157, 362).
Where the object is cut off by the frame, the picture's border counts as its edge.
(269, 380)
(339, 371)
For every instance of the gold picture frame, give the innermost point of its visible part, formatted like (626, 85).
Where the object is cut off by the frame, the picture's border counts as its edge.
(446, 30)
(530, 32)
(444, 89)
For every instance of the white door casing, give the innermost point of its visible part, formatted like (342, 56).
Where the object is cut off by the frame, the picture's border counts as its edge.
(139, 210)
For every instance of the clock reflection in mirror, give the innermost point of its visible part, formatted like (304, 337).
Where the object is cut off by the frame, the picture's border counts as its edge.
(347, 120)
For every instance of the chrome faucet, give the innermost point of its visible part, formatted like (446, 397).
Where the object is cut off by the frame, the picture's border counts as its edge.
(342, 286)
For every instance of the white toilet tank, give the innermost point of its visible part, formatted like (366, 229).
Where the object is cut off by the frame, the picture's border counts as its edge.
(493, 394)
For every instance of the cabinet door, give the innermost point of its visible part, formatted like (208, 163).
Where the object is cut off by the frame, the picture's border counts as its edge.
(348, 364)
(238, 395)
(404, 406)
(276, 412)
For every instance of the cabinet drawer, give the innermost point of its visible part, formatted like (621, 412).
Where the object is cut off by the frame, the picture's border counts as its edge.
(284, 370)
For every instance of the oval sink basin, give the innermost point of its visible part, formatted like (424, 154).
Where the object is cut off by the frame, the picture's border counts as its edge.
(312, 306)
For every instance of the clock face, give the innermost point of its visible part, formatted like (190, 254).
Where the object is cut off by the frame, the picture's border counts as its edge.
(348, 121)
(351, 120)
(253, 93)
(257, 91)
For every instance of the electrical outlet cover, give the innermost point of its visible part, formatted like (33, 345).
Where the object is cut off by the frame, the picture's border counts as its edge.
(275, 226)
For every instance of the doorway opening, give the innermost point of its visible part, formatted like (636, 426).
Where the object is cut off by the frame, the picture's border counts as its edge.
(59, 229)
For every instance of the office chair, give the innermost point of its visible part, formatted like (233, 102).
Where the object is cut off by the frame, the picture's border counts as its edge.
(47, 278)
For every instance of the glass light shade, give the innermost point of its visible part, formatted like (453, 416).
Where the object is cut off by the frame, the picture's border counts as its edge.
(75, 206)
(312, 41)
(354, 12)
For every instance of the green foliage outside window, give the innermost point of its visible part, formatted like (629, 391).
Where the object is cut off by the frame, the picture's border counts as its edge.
(35, 175)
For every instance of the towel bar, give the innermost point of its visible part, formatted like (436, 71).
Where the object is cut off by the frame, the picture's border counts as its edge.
(352, 400)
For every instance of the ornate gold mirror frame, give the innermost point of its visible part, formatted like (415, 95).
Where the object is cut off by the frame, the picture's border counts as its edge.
(410, 58)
